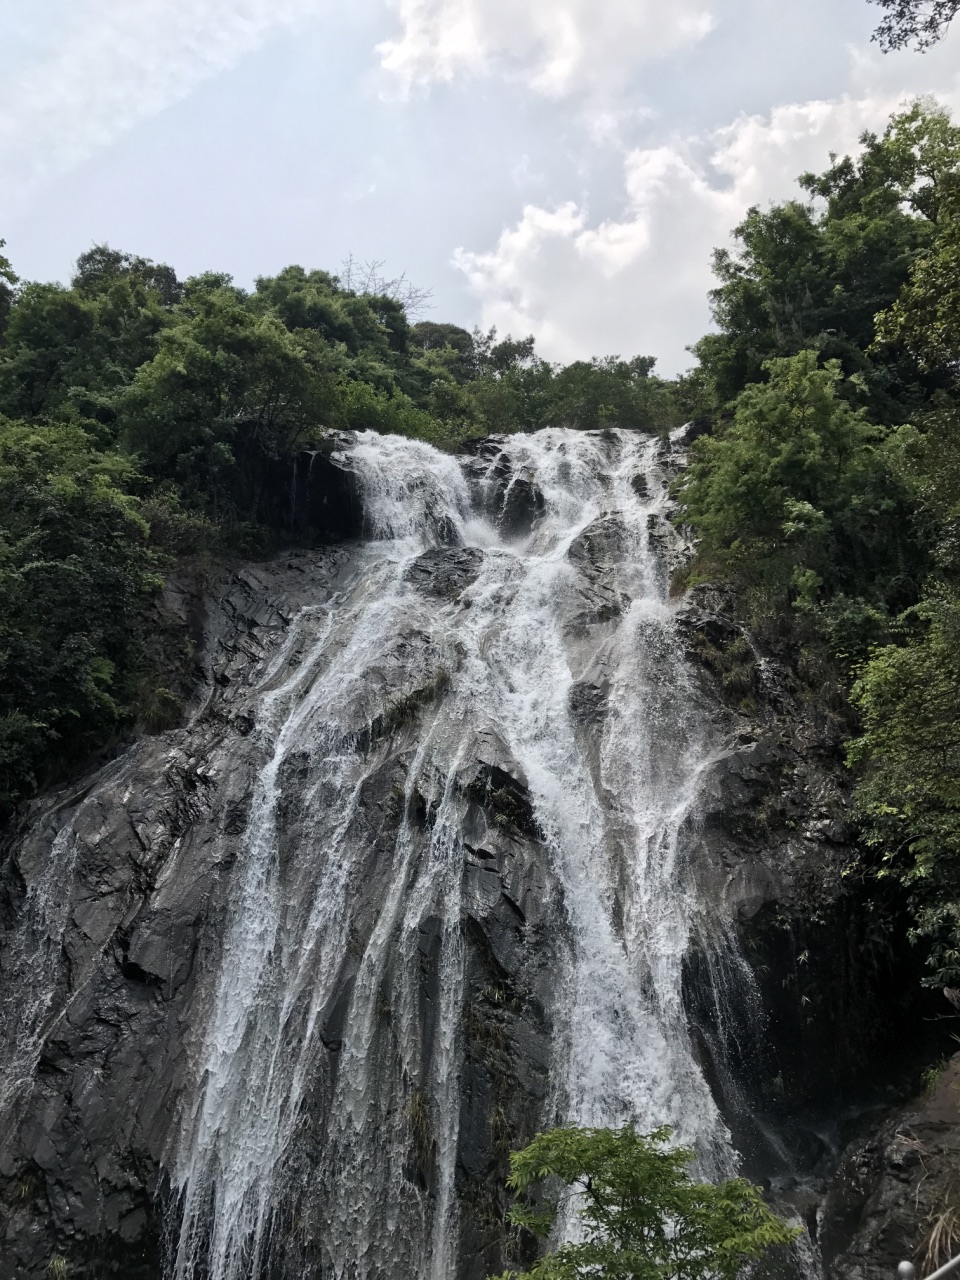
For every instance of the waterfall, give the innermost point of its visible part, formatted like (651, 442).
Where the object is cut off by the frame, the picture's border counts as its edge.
(318, 1060)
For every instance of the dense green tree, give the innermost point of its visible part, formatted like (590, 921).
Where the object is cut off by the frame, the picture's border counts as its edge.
(804, 505)
(909, 759)
(8, 280)
(430, 336)
(75, 570)
(510, 388)
(67, 352)
(925, 318)
(368, 335)
(100, 268)
(506, 356)
(642, 1216)
(812, 275)
(514, 399)
(908, 693)
(228, 388)
(609, 392)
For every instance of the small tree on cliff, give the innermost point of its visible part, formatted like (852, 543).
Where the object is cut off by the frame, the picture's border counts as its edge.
(644, 1218)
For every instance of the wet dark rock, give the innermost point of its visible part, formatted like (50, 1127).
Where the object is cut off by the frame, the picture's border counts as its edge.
(595, 553)
(81, 1165)
(691, 431)
(311, 497)
(837, 1023)
(588, 700)
(895, 1186)
(513, 501)
(521, 508)
(445, 572)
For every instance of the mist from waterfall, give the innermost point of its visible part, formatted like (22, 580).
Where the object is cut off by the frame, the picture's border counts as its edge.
(498, 661)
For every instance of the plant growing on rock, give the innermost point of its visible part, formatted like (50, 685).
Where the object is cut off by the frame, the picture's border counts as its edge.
(642, 1215)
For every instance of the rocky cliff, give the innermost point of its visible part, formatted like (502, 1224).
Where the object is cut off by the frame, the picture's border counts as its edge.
(335, 915)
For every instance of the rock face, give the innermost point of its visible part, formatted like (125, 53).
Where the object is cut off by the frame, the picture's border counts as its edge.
(839, 1022)
(469, 830)
(896, 1194)
(312, 498)
(139, 915)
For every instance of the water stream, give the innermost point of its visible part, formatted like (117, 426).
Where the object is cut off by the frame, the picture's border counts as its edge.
(327, 908)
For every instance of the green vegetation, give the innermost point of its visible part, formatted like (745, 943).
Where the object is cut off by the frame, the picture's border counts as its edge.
(800, 502)
(909, 696)
(812, 273)
(144, 419)
(141, 422)
(75, 567)
(828, 491)
(642, 1215)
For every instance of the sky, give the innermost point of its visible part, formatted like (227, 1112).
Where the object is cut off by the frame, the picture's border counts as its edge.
(557, 167)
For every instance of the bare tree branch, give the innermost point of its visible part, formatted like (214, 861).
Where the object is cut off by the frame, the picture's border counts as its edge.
(368, 277)
(920, 23)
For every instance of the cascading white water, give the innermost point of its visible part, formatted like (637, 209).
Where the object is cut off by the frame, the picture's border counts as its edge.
(502, 658)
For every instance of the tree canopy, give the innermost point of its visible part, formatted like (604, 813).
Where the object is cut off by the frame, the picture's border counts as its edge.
(828, 491)
(162, 407)
(811, 274)
(75, 568)
(640, 1213)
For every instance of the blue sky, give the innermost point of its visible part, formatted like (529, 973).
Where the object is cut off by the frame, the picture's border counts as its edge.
(561, 167)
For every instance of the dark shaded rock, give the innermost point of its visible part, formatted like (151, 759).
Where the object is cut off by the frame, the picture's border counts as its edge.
(588, 701)
(836, 1023)
(513, 501)
(445, 572)
(691, 431)
(312, 497)
(80, 1175)
(595, 553)
(521, 508)
(896, 1193)
(81, 1165)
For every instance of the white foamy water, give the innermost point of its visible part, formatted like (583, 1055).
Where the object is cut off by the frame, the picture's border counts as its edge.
(579, 599)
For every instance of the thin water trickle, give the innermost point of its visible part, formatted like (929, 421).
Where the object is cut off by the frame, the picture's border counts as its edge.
(31, 970)
(579, 598)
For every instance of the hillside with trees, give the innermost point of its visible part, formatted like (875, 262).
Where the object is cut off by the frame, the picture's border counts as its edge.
(140, 413)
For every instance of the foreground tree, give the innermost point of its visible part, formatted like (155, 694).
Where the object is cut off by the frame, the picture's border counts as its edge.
(643, 1217)
(917, 22)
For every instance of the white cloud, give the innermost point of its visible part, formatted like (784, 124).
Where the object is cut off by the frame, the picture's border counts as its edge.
(637, 283)
(113, 64)
(555, 46)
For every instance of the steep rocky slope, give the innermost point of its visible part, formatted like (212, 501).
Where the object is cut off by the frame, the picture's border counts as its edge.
(121, 898)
